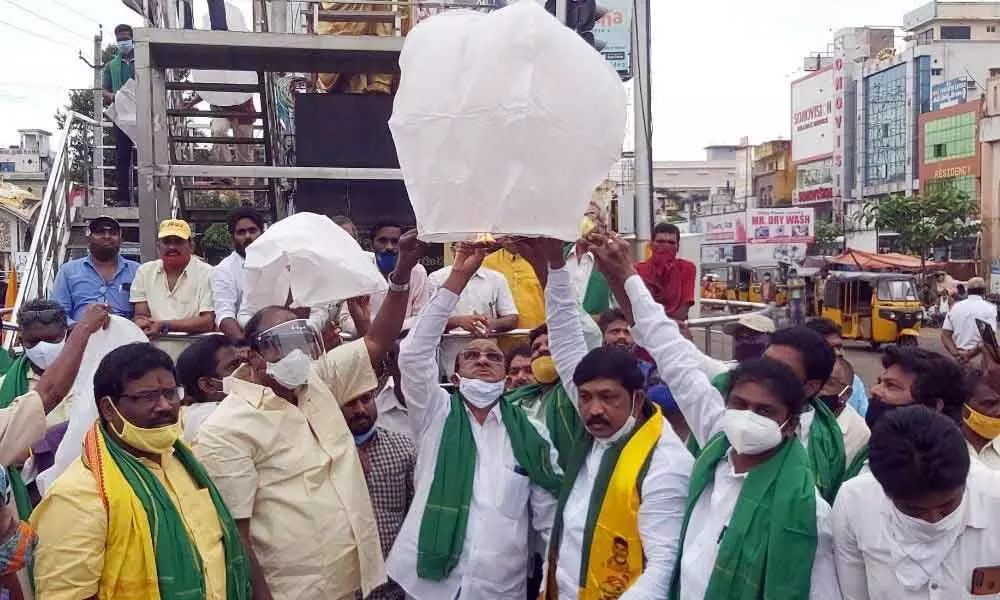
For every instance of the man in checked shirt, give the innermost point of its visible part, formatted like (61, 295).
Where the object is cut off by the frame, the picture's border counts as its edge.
(388, 459)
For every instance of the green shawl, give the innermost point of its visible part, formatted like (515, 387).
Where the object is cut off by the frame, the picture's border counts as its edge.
(597, 297)
(560, 416)
(442, 530)
(175, 552)
(114, 67)
(825, 448)
(859, 462)
(767, 550)
(15, 385)
(604, 472)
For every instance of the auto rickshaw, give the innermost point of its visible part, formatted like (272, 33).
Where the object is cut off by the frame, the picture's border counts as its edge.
(880, 308)
(753, 275)
(719, 281)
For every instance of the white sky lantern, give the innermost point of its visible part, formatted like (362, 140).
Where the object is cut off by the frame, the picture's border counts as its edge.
(504, 123)
(311, 256)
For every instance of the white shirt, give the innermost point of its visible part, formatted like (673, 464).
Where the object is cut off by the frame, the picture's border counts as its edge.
(580, 267)
(391, 414)
(487, 294)
(229, 280)
(505, 505)
(664, 490)
(961, 320)
(703, 406)
(414, 304)
(855, 430)
(863, 534)
(989, 456)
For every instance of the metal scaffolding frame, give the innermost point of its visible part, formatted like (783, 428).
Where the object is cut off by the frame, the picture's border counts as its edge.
(158, 50)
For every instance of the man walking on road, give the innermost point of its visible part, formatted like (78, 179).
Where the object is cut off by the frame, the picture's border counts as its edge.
(960, 334)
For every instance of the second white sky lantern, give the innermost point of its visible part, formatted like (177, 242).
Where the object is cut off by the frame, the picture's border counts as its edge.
(504, 123)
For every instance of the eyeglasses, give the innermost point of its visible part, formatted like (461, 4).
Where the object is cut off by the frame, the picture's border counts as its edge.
(173, 395)
(473, 355)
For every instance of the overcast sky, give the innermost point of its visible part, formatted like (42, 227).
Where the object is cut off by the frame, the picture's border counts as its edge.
(721, 68)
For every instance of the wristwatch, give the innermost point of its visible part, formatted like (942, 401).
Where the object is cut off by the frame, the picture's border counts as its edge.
(398, 287)
(164, 326)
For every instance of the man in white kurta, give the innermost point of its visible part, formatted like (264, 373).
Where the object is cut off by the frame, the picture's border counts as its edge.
(505, 506)
(664, 488)
(949, 530)
(703, 408)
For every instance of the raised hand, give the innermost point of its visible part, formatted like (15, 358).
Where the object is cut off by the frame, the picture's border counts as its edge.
(411, 250)
(613, 256)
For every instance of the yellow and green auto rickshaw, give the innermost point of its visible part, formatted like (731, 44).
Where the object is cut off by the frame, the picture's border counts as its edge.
(879, 308)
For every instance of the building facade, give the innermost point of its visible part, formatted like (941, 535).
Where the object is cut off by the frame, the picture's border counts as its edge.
(27, 164)
(952, 48)
(773, 177)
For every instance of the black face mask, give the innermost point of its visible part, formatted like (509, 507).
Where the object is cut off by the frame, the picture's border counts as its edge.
(877, 408)
(831, 402)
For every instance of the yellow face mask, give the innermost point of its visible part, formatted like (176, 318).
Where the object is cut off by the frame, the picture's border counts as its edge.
(155, 441)
(988, 427)
(544, 370)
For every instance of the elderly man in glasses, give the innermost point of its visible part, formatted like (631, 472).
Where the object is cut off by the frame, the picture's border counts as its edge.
(284, 458)
(137, 517)
(486, 474)
(836, 394)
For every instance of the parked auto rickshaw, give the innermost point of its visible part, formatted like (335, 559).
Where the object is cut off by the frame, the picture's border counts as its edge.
(880, 308)
(722, 283)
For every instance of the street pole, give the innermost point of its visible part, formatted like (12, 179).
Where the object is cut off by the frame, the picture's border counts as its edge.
(98, 161)
(643, 125)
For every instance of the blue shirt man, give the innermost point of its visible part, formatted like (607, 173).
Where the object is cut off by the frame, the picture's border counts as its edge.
(103, 276)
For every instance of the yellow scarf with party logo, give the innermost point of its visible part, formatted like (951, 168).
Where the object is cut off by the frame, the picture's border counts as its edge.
(613, 557)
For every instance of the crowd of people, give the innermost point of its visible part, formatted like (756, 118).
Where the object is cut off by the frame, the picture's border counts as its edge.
(601, 456)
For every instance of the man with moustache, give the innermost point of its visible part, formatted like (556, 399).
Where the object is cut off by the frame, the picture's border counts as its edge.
(173, 293)
(388, 459)
(104, 276)
(229, 276)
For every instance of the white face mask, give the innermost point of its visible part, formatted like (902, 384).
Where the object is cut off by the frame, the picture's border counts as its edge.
(750, 433)
(44, 354)
(480, 393)
(919, 547)
(292, 371)
(623, 431)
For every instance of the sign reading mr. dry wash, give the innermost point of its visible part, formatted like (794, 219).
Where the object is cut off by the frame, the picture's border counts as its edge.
(780, 225)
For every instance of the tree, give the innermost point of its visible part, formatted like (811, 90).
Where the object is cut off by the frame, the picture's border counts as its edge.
(828, 231)
(82, 138)
(924, 221)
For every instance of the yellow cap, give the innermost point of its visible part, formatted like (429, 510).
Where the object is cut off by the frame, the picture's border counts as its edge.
(175, 228)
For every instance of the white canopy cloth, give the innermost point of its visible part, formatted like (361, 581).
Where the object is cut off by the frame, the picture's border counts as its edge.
(83, 413)
(235, 22)
(504, 123)
(122, 112)
(314, 258)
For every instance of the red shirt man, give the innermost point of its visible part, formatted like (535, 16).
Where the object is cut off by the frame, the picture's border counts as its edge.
(669, 279)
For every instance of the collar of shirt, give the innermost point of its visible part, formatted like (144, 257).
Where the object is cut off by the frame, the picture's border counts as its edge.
(119, 266)
(256, 395)
(386, 399)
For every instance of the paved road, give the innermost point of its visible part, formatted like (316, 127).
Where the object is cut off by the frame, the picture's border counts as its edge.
(867, 362)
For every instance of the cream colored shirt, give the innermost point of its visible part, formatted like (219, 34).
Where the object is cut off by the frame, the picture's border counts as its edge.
(989, 457)
(191, 296)
(855, 430)
(59, 414)
(294, 472)
(22, 424)
(72, 527)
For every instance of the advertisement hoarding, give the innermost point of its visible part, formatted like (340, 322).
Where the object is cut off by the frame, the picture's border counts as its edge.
(812, 116)
(720, 229)
(948, 93)
(780, 225)
(776, 253)
(813, 181)
(614, 31)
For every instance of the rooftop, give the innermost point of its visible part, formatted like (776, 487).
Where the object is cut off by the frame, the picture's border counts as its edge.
(950, 11)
